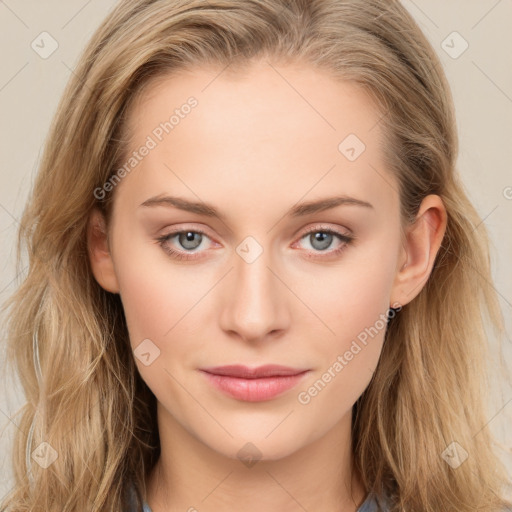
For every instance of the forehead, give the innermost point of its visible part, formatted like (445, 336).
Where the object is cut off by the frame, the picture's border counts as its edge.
(256, 130)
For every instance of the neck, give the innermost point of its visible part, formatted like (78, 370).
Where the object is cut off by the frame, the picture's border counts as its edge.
(190, 476)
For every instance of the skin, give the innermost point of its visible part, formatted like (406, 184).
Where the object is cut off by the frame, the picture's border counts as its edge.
(257, 144)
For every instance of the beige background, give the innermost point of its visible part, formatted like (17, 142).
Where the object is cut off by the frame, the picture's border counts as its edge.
(481, 80)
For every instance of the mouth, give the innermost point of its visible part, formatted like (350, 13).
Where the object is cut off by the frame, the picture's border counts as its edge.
(254, 384)
(245, 372)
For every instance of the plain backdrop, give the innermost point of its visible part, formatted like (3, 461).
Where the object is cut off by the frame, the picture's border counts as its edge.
(472, 37)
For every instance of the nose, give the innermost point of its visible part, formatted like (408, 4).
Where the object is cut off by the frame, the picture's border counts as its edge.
(255, 302)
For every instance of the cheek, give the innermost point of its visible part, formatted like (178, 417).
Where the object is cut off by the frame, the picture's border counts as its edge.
(351, 296)
(157, 296)
(352, 303)
(162, 304)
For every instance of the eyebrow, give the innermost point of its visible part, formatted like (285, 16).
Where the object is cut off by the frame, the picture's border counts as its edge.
(298, 210)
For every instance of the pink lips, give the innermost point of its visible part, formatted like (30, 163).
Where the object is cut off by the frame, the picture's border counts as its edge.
(254, 384)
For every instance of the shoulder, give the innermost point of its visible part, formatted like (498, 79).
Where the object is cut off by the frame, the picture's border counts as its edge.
(371, 504)
(132, 503)
(132, 508)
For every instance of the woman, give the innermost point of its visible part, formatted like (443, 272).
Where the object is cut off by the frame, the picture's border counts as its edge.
(252, 271)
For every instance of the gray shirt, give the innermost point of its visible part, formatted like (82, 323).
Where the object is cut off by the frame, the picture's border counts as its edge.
(369, 505)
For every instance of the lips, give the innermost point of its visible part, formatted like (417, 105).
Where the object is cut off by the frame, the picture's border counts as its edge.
(244, 372)
(253, 384)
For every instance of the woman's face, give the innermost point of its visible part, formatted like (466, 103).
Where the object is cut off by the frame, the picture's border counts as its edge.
(291, 257)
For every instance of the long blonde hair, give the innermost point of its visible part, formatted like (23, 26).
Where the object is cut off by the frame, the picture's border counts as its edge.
(67, 336)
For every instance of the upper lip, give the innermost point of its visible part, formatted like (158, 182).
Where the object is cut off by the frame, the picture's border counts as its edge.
(245, 372)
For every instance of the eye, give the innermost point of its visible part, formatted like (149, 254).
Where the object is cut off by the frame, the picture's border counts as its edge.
(321, 239)
(186, 242)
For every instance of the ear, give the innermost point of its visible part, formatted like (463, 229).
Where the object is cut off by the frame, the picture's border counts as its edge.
(99, 252)
(422, 241)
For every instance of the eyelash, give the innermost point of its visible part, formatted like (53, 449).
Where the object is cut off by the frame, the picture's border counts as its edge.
(181, 256)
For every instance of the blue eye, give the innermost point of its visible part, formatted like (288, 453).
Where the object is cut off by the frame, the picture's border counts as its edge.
(189, 240)
(322, 238)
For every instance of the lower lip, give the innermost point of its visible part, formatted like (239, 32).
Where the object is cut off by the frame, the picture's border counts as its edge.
(254, 390)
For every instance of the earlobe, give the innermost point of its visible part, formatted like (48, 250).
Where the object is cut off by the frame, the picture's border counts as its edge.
(423, 240)
(100, 256)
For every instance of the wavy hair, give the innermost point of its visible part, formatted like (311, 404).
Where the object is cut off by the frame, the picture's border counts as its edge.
(67, 337)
